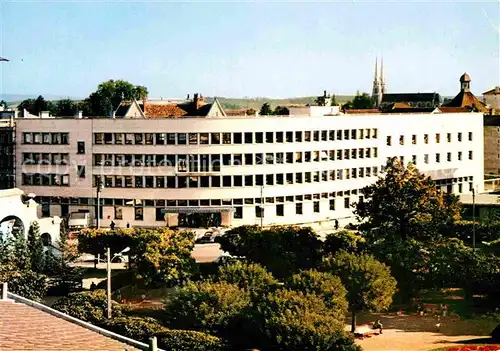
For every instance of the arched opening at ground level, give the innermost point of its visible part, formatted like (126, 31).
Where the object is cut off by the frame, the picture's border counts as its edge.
(11, 225)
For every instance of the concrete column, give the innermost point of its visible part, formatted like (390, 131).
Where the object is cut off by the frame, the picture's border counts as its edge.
(4, 291)
(226, 218)
(153, 344)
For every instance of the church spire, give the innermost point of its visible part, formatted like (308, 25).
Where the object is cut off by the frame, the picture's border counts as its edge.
(377, 86)
(382, 78)
(375, 80)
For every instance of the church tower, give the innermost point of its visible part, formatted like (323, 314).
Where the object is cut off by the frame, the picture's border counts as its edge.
(377, 87)
(382, 80)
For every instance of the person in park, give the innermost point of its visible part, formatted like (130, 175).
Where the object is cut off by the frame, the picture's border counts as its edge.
(336, 224)
(112, 225)
(378, 325)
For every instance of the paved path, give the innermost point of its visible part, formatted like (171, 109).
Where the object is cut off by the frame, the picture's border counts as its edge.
(416, 333)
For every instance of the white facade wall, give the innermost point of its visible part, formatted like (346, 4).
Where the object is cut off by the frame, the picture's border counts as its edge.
(393, 125)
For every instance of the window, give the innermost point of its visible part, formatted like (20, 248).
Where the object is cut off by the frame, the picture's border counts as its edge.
(298, 178)
(237, 159)
(215, 138)
(269, 179)
(298, 209)
(332, 204)
(237, 138)
(414, 139)
(289, 157)
(80, 147)
(269, 158)
(375, 133)
(98, 138)
(448, 137)
(46, 138)
(470, 136)
(316, 135)
(470, 155)
(298, 157)
(460, 155)
(401, 140)
(298, 136)
(279, 137)
(139, 213)
(289, 137)
(438, 138)
(307, 136)
(204, 138)
(459, 136)
(269, 137)
(259, 211)
(170, 138)
(193, 138)
(426, 158)
(226, 138)
(414, 159)
(426, 138)
(316, 206)
(448, 157)
(259, 137)
(280, 210)
(181, 138)
(347, 202)
(389, 140)
(438, 158)
(81, 171)
(248, 138)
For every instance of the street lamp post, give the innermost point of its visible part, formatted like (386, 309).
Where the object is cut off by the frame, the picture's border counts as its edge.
(108, 268)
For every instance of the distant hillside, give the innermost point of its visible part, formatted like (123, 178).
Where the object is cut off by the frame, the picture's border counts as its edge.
(256, 103)
(17, 98)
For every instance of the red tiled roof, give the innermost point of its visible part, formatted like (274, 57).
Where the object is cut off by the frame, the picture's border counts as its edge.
(494, 91)
(466, 99)
(171, 110)
(446, 109)
(26, 328)
(361, 111)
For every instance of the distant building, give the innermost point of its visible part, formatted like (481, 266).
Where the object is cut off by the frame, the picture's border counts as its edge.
(196, 107)
(491, 99)
(411, 100)
(465, 98)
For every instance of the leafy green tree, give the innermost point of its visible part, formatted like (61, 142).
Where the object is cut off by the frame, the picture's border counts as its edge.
(324, 285)
(360, 102)
(35, 246)
(89, 306)
(281, 111)
(266, 109)
(282, 250)
(369, 283)
(65, 107)
(248, 276)
(293, 321)
(158, 256)
(109, 95)
(343, 240)
(405, 203)
(206, 306)
(181, 340)
(26, 283)
(35, 106)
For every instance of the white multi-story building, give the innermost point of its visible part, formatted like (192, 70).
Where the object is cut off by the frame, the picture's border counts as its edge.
(205, 171)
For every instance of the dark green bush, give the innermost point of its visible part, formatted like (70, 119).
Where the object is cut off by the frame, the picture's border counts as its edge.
(27, 283)
(138, 328)
(183, 340)
(89, 306)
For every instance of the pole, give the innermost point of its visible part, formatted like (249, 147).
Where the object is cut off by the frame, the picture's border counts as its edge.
(473, 218)
(108, 254)
(261, 206)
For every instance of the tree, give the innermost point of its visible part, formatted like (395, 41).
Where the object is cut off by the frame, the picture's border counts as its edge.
(206, 306)
(343, 240)
(110, 94)
(65, 107)
(248, 276)
(35, 106)
(250, 112)
(157, 256)
(324, 285)
(89, 306)
(405, 203)
(293, 321)
(266, 109)
(360, 101)
(35, 246)
(369, 283)
(281, 111)
(282, 250)
(3, 104)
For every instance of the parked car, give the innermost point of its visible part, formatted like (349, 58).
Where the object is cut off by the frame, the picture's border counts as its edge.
(207, 238)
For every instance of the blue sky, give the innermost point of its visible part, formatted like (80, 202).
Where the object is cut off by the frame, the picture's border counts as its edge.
(278, 49)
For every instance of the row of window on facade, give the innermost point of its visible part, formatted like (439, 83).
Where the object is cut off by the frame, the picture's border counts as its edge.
(437, 138)
(233, 138)
(45, 179)
(174, 182)
(212, 162)
(46, 138)
(437, 157)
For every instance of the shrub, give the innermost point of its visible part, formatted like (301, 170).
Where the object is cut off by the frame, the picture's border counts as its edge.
(182, 340)
(206, 306)
(89, 306)
(138, 328)
(248, 276)
(343, 240)
(27, 283)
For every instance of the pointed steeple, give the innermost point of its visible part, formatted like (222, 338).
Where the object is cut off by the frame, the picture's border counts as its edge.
(382, 78)
(376, 91)
(376, 70)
